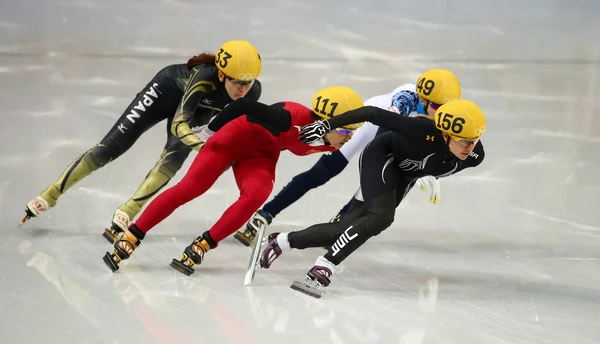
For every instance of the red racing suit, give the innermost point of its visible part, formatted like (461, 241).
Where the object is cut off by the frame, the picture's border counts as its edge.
(252, 151)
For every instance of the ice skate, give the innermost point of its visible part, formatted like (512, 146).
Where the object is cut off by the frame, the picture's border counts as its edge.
(34, 208)
(119, 224)
(259, 241)
(124, 247)
(271, 252)
(193, 254)
(316, 278)
(260, 219)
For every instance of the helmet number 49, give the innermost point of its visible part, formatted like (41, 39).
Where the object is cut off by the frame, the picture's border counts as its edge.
(445, 122)
(323, 108)
(222, 57)
(425, 86)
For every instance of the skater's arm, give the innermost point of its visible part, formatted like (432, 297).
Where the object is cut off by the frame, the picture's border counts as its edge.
(198, 84)
(383, 118)
(269, 116)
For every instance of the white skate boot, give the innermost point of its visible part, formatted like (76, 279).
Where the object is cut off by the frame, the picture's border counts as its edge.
(34, 208)
(260, 219)
(120, 223)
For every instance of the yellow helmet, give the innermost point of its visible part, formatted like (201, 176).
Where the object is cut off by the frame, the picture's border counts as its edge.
(461, 119)
(438, 86)
(239, 60)
(336, 100)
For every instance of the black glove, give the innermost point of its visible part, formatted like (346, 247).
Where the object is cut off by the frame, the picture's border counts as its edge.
(315, 132)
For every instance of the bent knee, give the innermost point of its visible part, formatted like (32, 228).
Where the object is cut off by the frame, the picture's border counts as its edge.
(380, 220)
(255, 197)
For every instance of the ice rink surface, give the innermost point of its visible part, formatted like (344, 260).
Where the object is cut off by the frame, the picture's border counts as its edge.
(510, 255)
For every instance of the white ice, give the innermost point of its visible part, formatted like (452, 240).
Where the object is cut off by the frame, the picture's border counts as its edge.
(510, 255)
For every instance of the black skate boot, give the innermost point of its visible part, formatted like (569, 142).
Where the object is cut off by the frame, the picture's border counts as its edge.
(271, 252)
(316, 278)
(124, 247)
(193, 254)
(260, 218)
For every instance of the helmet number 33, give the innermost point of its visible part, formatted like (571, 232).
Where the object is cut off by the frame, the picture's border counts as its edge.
(222, 57)
(447, 122)
(425, 86)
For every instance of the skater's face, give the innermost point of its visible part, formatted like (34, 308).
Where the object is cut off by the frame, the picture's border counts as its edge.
(461, 148)
(431, 108)
(236, 89)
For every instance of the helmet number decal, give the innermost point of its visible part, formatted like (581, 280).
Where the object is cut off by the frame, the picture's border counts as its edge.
(323, 109)
(222, 57)
(425, 86)
(445, 122)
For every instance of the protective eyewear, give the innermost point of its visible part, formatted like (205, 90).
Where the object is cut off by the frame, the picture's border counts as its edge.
(240, 82)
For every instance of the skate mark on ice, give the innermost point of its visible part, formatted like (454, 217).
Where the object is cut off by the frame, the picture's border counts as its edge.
(6, 242)
(556, 219)
(58, 107)
(77, 3)
(534, 308)
(521, 96)
(99, 193)
(3, 190)
(8, 25)
(572, 258)
(97, 80)
(563, 135)
(433, 26)
(107, 100)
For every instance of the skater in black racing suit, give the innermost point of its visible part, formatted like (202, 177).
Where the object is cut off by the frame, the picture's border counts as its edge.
(389, 166)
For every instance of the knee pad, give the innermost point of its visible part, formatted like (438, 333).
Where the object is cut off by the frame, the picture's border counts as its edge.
(379, 220)
(327, 167)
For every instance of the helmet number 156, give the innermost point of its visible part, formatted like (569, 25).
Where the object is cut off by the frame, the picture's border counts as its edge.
(445, 122)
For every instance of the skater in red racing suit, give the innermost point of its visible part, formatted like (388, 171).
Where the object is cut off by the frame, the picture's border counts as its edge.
(250, 141)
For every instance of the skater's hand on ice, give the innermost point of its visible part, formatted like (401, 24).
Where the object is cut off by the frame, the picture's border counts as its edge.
(337, 139)
(314, 132)
(434, 184)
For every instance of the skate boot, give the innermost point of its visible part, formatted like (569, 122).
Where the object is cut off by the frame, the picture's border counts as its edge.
(193, 254)
(119, 224)
(316, 278)
(34, 208)
(260, 218)
(124, 247)
(271, 252)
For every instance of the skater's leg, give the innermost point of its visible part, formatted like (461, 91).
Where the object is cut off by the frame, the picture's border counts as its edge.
(319, 235)
(116, 142)
(174, 155)
(324, 234)
(208, 165)
(327, 167)
(255, 178)
(206, 168)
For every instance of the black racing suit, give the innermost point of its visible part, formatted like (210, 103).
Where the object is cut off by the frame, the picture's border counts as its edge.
(389, 166)
(186, 98)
